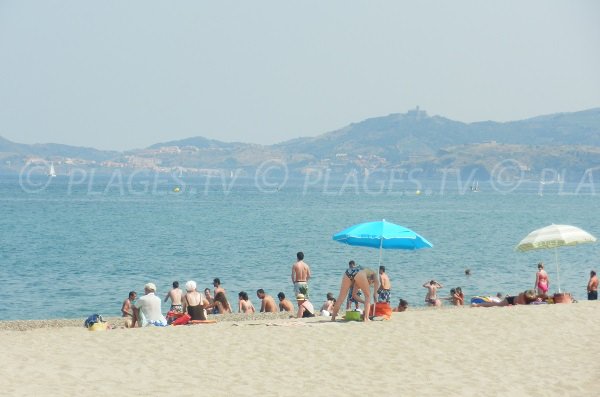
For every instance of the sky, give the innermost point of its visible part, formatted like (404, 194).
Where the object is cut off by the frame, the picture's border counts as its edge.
(120, 75)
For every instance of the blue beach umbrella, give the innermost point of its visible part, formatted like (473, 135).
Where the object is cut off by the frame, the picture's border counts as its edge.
(382, 235)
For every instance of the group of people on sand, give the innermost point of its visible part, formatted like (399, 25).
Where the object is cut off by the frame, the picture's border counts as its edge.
(355, 288)
(358, 286)
(147, 310)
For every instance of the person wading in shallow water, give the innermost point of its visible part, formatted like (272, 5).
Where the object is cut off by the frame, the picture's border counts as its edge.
(592, 287)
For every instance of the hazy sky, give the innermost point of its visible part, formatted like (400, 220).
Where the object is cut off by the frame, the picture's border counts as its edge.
(125, 74)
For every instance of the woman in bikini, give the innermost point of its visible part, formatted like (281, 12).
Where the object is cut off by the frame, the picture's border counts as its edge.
(358, 279)
(542, 284)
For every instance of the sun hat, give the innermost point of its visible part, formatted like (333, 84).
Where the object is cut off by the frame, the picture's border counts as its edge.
(150, 286)
(300, 297)
(190, 286)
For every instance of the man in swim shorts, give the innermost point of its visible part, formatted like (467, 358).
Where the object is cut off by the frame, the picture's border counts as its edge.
(592, 287)
(383, 295)
(300, 275)
(175, 295)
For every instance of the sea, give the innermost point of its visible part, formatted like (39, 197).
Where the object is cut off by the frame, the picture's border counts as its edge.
(74, 246)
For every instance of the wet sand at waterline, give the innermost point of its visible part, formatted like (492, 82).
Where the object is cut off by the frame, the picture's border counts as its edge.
(549, 350)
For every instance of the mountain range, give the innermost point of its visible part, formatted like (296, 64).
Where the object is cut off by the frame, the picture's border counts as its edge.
(562, 141)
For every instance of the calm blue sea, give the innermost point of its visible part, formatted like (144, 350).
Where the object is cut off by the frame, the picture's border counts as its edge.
(72, 249)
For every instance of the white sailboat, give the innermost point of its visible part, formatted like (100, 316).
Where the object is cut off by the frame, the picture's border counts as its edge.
(475, 186)
(51, 172)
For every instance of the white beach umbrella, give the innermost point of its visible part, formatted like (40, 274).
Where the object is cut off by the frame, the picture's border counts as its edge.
(555, 236)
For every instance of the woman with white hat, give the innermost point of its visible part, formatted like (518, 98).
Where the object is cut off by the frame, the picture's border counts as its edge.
(194, 302)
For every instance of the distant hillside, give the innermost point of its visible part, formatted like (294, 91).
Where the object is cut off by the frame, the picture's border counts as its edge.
(400, 136)
(563, 141)
(52, 149)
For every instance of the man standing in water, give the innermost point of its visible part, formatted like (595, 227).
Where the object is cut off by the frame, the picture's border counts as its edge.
(300, 275)
(592, 287)
(383, 295)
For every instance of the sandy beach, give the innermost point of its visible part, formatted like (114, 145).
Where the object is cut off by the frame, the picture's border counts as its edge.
(548, 350)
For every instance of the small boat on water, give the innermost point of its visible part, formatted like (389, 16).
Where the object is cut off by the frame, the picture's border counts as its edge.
(51, 171)
(475, 186)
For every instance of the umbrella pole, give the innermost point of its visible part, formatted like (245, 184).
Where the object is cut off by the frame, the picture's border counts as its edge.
(557, 268)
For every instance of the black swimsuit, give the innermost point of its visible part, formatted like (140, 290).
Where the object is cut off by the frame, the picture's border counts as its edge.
(196, 312)
(351, 272)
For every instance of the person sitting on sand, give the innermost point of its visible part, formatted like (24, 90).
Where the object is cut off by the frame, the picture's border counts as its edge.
(268, 303)
(305, 308)
(208, 296)
(431, 298)
(327, 307)
(210, 302)
(244, 304)
(175, 295)
(194, 302)
(127, 309)
(524, 298)
(402, 306)
(149, 308)
(355, 279)
(220, 304)
(284, 304)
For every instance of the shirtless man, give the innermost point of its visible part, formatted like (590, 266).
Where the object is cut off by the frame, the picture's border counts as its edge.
(218, 288)
(175, 295)
(244, 304)
(284, 304)
(268, 304)
(127, 309)
(383, 295)
(592, 287)
(431, 298)
(300, 275)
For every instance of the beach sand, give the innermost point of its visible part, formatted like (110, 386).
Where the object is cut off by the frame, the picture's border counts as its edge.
(545, 350)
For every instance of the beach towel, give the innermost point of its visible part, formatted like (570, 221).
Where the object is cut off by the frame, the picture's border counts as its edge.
(182, 320)
(382, 310)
